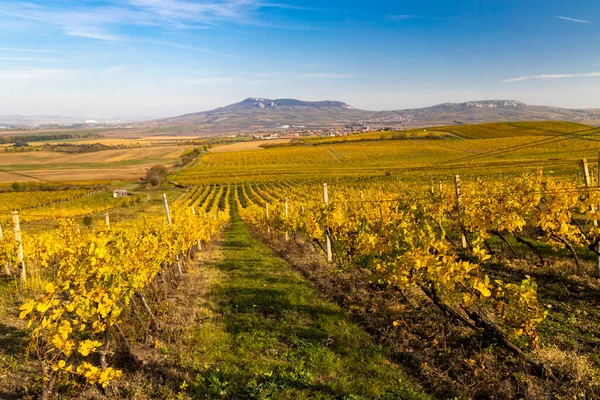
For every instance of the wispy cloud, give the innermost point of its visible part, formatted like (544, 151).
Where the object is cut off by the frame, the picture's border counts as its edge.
(210, 80)
(292, 7)
(27, 74)
(581, 21)
(553, 76)
(28, 50)
(94, 33)
(262, 78)
(401, 17)
(116, 69)
(32, 59)
(326, 75)
(108, 20)
(182, 46)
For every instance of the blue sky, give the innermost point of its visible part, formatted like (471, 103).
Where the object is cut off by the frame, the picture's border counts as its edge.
(147, 58)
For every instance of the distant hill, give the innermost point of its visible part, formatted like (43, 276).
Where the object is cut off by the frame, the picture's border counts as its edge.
(261, 112)
(258, 112)
(475, 112)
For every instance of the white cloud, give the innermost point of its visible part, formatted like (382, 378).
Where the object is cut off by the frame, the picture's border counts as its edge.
(187, 47)
(55, 60)
(26, 74)
(581, 21)
(401, 17)
(116, 69)
(553, 76)
(94, 33)
(326, 75)
(28, 50)
(105, 21)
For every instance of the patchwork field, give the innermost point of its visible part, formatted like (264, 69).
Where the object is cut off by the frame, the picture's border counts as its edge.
(396, 280)
(406, 159)
(119, 164)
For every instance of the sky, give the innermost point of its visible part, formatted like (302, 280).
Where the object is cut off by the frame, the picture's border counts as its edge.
(158, 58)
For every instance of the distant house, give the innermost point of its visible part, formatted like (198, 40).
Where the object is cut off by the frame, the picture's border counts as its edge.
(120, 193)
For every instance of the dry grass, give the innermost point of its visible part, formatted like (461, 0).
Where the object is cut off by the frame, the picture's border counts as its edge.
(130, 164)
(570, 365)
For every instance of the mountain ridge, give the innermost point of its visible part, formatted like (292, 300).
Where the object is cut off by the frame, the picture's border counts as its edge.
(260, 112)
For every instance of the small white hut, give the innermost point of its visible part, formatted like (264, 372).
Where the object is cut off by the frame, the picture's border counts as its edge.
(120, 193)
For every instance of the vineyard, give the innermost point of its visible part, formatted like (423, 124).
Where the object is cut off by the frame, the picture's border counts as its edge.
(446, 243)
(86, 280)
(443, 268)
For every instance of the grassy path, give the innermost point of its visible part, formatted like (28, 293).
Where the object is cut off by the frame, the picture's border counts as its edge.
(267, 334)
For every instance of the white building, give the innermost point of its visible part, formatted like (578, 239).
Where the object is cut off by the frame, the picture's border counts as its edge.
(120, 193)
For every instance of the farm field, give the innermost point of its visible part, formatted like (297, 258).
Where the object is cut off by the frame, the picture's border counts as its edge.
(118, 164)
(462, 266)
(405, 159)
(481, 131)
(247, 146)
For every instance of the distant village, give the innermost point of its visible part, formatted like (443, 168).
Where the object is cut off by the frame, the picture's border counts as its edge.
(293, 131)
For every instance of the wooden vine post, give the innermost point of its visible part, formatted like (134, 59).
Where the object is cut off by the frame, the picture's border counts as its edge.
(20, 255)
(287, 208)
(327, 238)
(598, 266)
(463, 238)
(107, 221)
(588, 184)
(267, 216)
(199, 244)
(6, 265)
(170, 224)
(167, 208)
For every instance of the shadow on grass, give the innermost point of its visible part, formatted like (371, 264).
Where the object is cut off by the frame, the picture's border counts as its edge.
(278, 339)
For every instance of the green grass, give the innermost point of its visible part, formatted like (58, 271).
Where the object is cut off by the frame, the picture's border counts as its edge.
(276, 338)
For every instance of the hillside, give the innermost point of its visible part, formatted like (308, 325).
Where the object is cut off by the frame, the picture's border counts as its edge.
(268, 113)
(260, 112)
(493, 130)
(475, 112)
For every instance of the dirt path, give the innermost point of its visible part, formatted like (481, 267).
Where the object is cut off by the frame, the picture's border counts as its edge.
(267, 334)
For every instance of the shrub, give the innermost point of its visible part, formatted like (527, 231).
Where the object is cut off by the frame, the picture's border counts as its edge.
(157, 175)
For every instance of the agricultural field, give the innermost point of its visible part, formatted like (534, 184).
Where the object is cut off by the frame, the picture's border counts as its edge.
(117, 164)
(248, 145)
(408, 160)
(481, 131)
(459, 263)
